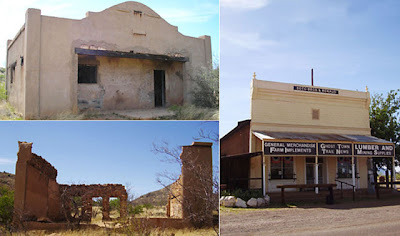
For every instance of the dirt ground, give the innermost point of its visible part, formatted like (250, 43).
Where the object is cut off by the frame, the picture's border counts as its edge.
(367, 217)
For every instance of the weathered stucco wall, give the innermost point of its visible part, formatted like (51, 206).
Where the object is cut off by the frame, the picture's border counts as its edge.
(129, 26)
(16, 90)
(125, 83)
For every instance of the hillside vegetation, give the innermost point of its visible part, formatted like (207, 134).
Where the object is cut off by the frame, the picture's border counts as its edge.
(155, 198)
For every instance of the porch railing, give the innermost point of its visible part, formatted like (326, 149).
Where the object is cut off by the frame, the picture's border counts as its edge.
(341, 188)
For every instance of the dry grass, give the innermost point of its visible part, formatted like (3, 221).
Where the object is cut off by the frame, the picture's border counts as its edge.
(108, 232)
(7, 112)
(156, 211)
(191, 112)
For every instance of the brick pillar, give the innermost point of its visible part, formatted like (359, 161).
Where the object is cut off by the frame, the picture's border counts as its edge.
(106, 208)
(197, 184)
(24, 154)
(86, 208)
(123, 211)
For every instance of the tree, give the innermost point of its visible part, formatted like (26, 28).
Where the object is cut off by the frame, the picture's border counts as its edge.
(6, 207)
(206, 91)
(385, 124)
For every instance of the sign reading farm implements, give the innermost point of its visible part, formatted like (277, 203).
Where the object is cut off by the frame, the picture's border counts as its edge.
(334, 149)
(315, 90)
(382, 150)
(289, 148)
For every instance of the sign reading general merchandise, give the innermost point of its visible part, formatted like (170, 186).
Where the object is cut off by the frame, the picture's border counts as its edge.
(335, 149)
(382, 150)
(290, 148)
(315, 90)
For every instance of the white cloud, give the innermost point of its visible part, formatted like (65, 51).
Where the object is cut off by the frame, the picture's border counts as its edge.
(244, 4)
(200, 14)
(250, 41)
(6, 161)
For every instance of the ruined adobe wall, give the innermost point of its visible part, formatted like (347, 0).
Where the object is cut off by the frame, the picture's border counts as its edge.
(87, 192)
(175, 198)
(36, 190)
(38, 197)
(129, 26)
(195, 185)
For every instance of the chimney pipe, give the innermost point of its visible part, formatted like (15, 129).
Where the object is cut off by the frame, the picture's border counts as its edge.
(312, 77)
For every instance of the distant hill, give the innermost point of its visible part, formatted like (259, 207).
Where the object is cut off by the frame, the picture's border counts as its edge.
(7, 179)
(155, 198)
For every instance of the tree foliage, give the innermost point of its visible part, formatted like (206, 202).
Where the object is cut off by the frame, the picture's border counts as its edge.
(206, 91)
(6, 206)
(385, 120)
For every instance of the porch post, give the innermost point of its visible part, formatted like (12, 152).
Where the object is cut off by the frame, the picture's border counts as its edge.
(263, 169)
(316, 174)
(353, 174)
(393, 173)
(263, 174)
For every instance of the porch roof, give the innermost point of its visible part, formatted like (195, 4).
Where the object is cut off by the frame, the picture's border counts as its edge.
(107, 53)
(268, 135)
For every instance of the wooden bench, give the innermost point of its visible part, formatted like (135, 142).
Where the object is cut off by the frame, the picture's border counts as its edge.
(301, 186)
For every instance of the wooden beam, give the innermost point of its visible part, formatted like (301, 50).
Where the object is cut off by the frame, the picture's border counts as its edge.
(106, 53)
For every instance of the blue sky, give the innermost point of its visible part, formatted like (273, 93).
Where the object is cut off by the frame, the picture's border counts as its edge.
(193, 17)
(90, 152)
(350, 45)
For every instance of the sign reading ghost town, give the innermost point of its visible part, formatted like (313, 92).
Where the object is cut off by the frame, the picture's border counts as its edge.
(315, 90)
(382, 150)
(334, 149)
(290, 148)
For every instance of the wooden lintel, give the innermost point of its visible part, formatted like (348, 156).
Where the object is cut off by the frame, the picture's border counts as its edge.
(106, 53)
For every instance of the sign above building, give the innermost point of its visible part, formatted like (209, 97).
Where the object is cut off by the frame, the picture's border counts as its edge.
(377, 150)
(327, 149)
(334, 149)
(290, 148)
(315, 90)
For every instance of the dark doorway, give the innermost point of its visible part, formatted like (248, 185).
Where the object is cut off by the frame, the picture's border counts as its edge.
(159, 88)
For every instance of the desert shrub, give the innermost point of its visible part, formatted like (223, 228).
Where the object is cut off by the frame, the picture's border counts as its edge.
(115, 204)
(3, 93)
(244, 195)
(6, 206)
(206, 90)
(135, 210)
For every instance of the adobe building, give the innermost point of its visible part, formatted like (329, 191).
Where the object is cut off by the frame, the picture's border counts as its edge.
(125, 57)
(301, 134)
(38, 198)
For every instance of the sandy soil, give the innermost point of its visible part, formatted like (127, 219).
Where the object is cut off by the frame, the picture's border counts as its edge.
(368, 217)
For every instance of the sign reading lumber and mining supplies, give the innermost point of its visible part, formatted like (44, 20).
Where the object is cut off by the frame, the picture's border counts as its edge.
(290, 148)
(334, 149)
(315, 90)
(381, 150)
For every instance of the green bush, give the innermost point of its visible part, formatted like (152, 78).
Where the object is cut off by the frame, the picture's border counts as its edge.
(206, 91)
(135, 210)
(3, 94)
(115, 204)
(6, 206)
(244, 195)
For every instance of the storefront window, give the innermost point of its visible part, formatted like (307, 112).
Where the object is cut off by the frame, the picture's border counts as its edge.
(344, 167)
(282, 168)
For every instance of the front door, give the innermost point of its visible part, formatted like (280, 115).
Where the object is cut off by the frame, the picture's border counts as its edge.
(310, 171)
(159, 88)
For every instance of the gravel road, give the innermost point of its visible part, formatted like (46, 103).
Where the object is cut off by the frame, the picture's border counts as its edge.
(368, 217)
